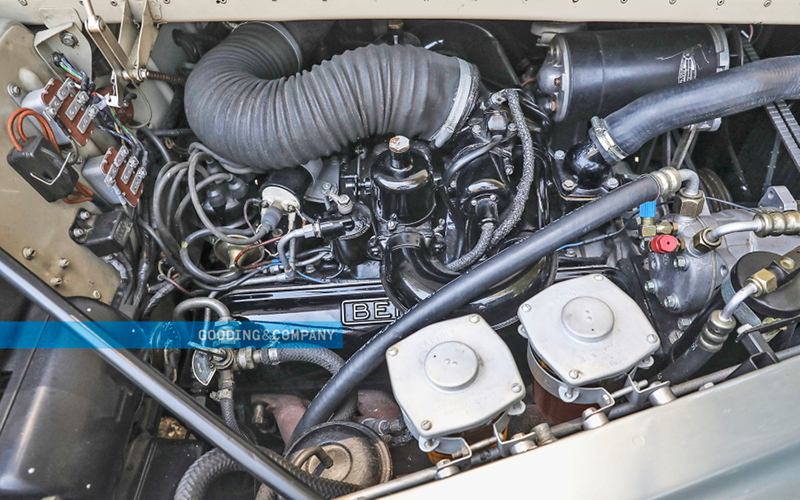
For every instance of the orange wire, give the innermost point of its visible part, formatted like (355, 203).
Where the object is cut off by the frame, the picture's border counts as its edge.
(246, 249)
(18, 116)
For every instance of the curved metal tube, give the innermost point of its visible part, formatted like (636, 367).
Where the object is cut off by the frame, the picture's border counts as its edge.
(691, 181)
(735, 227)
(738, 298)
(201, 303)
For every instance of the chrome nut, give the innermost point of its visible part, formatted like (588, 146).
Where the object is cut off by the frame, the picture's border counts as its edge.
(702, 242)
(688, 206)
(765, 280)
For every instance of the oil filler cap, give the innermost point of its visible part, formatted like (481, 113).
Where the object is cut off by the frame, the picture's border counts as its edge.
(451, 365)
(588, 318)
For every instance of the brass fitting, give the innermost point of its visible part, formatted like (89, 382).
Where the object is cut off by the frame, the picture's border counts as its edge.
(764, 280)
(688, 206)
(702, 242)
(778, 223)
(647, 228)
(666, 227)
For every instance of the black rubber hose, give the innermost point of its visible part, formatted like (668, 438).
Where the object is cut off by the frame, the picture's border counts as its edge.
(472, 284)
(157, 142)
(161, 293)
(236, 106)
(205, 470)
(725, 93)
(713, 335)
(686, 365)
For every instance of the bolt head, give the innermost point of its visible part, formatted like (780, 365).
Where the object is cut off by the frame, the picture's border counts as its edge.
(399, 144)
(526, 307)
(56, 281)
(426, 425)
(568, 185)
(612, 183)
(78, 232)
(28, 253)
(684, 323)
(680, 262)
(63, 263)
(559, 155)
(650, 286)
(671, 301)
(68, 39)
(516, 388)
(96, 294)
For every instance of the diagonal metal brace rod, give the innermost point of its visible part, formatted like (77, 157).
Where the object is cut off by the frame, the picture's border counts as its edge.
(183, 406)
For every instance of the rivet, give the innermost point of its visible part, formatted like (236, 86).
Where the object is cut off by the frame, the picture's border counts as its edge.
(652, 338)
(573, 374)
(29, 253)
(474, 318)
(96, 294)
(526, 307)
(598, 277)
(516, 388)
(63, 263)
(392, 351)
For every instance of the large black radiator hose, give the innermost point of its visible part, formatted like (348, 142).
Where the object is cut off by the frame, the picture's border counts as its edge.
(240, 102)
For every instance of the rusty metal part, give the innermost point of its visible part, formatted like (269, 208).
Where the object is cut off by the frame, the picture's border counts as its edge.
(285, 408)
(377, 404)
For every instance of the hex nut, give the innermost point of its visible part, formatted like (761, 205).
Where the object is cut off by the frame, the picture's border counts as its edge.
(667, 227)
(765, 280)
(702, 242)
(648, 231)
(688, 206)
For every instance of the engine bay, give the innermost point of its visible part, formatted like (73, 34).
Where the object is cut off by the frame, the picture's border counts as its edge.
(460, 241)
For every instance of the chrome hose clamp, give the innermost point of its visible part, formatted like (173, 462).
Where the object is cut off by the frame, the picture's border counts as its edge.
(606, 141)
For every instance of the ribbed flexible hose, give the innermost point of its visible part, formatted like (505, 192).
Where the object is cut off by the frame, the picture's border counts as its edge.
(213, 465)
(238, 104)
(726, 93)
(472, 284)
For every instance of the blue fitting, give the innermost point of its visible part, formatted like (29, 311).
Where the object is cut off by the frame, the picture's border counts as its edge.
(647, 209)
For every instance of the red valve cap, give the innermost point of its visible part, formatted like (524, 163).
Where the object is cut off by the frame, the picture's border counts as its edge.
(664, 243)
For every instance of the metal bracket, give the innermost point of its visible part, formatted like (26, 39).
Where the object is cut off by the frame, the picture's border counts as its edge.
(566, 392)
(127, 56)
(638, 394)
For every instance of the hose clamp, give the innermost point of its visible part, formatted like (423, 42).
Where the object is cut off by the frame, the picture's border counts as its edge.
(603, 136)
(668, 180)
(462, 104)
